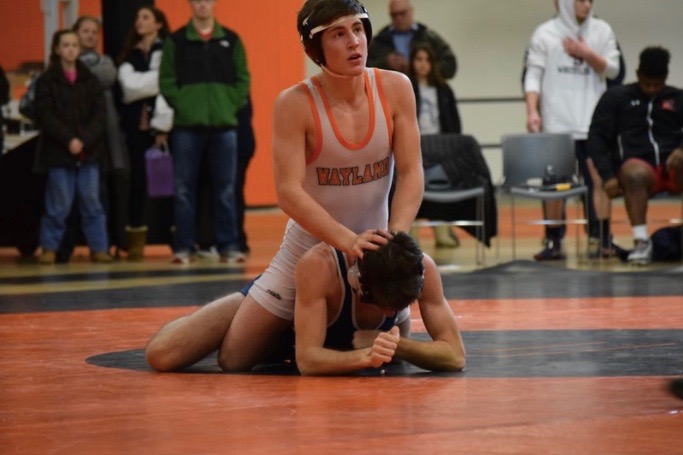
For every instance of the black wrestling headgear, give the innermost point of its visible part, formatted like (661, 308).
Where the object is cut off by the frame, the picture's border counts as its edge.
(318, 15)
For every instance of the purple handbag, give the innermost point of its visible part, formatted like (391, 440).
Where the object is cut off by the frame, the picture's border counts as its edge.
(159, 168)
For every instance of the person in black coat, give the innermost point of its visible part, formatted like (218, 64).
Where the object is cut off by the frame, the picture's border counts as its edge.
(391, 47)
(71, 116)
(114, 169)
(437, 113)
(437, 108)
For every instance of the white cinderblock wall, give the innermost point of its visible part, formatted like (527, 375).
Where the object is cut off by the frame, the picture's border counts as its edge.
(489, 38)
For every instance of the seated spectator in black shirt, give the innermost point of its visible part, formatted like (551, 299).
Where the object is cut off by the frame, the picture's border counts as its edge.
(636, 142)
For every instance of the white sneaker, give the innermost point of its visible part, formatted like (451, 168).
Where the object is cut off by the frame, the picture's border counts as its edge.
(209, 254)
(233, 257)
(182, 257)
(642, 254)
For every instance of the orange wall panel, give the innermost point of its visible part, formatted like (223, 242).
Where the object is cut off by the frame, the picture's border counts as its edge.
(17, 45)
(267, 28)
(22, 30)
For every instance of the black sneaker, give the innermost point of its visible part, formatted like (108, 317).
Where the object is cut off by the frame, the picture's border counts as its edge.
(551, 252)
(677, 388)
(605, 252)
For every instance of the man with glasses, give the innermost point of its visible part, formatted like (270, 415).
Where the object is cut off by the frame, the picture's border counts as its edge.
(204, 77)
(390, 48)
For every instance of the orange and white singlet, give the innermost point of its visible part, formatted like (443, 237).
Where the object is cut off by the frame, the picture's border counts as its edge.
(350, 181)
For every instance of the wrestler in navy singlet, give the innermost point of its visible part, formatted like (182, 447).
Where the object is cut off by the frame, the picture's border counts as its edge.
(340, 331)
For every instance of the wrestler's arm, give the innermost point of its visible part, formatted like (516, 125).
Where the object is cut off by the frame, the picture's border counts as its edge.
(407, 152)
(310, 322)
(292, 118)
(446, 351)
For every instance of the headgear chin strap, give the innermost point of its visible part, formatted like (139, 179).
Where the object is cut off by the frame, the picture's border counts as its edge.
(333, 74)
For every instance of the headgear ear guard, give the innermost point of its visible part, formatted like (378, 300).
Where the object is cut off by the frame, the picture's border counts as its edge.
(354, 278)
(309, 30)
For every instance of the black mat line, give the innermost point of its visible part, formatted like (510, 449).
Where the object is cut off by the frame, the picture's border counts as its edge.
(530, 279)
(122, 275)
(516, 280)
(514, 267)
(504, 354)
(170, 295)
(529, 266)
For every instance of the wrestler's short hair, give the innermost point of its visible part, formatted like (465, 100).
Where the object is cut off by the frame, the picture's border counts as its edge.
(654, 62)
(316, 15)
(392, 277)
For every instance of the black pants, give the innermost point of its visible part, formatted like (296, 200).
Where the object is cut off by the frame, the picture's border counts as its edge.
(593, 226)
(138, 143)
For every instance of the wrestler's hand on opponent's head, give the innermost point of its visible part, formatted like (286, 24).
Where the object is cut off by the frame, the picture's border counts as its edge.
(371, 239)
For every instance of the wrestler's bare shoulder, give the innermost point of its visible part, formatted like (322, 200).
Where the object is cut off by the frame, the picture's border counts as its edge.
(397, 89)
(319, 254)
(429, 262)
(292, 97)
(320, 262)
(393, 80)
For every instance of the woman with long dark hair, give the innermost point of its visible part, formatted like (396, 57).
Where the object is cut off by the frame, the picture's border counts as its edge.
(437, 113)
(437, 110)
(146, 118)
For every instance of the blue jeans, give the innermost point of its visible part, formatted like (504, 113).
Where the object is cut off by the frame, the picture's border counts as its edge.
(189, 147)
(63, 185)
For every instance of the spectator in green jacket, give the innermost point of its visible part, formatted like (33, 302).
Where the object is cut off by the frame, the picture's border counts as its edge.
(204, 78)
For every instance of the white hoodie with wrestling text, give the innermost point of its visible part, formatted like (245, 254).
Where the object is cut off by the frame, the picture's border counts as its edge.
(569, 88)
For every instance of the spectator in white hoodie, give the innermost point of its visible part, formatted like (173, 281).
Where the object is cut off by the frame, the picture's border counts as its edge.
(568, 62)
